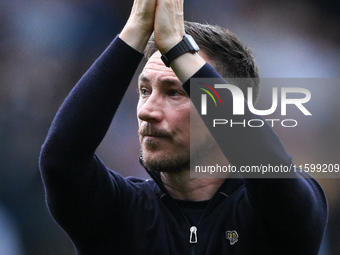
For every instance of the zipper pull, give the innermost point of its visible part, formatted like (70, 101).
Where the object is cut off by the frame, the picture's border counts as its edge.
(193, 235)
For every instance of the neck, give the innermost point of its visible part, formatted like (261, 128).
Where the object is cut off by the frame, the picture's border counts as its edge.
(181, 186)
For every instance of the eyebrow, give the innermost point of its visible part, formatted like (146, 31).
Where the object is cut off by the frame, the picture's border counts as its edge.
(143, 78)
(174, 81)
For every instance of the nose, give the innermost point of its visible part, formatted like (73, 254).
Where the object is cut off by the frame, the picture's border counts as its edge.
(151, 109)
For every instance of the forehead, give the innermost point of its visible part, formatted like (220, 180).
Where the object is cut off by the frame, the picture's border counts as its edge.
(155, 69)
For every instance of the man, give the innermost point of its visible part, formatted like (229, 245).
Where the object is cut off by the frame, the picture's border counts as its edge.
(104, 213)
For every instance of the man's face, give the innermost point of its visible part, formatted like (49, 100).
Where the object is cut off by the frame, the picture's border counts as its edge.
(164, 118)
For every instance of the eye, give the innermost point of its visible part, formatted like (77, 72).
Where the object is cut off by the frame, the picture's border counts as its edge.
(174, 93)
(144, 91)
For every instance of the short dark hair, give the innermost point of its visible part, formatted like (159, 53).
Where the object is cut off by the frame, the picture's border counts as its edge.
(230, 57)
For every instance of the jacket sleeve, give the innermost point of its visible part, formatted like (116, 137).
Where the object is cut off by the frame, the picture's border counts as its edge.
(297, 197)
(74, 178)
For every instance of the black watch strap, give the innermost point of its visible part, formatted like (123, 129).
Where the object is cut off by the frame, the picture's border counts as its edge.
(188, 44)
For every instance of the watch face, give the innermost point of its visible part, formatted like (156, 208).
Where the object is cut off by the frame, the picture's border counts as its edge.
(192, 43)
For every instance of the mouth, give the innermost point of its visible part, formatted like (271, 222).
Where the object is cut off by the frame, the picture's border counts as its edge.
(149, 132)
(151, 136)
(151, 140)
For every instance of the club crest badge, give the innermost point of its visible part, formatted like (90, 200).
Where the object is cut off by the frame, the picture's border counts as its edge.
(232, 236)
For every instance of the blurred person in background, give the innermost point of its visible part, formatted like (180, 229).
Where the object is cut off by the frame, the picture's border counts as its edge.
(10, 239)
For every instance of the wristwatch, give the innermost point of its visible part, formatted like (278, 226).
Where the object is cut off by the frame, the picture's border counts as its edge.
(188, 44)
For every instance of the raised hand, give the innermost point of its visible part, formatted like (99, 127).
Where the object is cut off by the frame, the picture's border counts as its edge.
(140, 24)
(169, 24)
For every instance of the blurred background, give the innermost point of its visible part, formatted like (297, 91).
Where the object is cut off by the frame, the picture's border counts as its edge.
(46, 46)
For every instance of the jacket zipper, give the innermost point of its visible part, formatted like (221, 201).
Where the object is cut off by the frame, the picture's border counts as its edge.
(193, 239)
(193, 234)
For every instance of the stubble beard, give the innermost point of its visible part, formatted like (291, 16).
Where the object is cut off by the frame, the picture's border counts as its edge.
(177, 162)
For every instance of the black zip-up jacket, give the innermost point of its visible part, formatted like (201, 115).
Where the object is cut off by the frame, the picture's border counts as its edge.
(104, 213)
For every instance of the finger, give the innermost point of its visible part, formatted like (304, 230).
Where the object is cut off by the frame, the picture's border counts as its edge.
(140, 24)
(169, 23)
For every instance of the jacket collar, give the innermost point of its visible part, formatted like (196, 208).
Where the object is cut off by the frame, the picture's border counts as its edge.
(229, 186)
